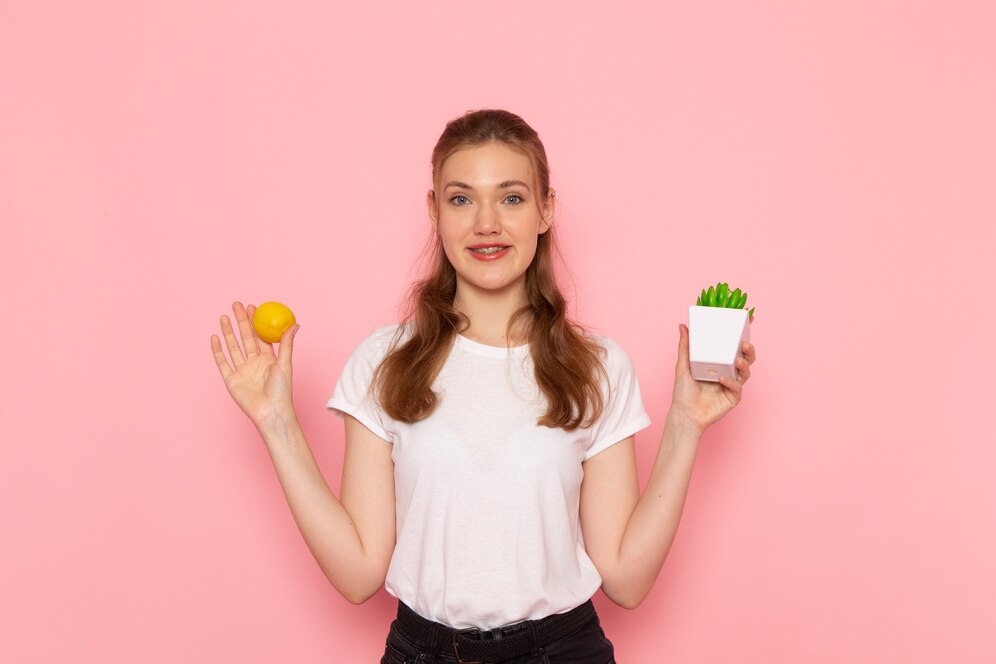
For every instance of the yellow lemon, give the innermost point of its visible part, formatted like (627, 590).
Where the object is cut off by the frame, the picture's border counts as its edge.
(271, 319)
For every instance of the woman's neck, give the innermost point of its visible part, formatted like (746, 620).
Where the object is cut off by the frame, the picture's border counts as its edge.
(489, 313)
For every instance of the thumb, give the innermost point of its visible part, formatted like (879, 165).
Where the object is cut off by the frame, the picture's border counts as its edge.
(287, 347)
(682, 365)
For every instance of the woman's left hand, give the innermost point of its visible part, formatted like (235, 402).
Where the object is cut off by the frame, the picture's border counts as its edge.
(701, 403)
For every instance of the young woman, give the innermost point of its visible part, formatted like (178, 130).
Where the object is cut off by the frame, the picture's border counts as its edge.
(489, 479)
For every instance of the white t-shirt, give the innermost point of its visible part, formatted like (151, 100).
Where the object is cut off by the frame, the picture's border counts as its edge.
(488, 528)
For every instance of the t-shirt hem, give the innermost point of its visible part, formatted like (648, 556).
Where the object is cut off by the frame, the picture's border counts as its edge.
(338, 407)
(617, 437)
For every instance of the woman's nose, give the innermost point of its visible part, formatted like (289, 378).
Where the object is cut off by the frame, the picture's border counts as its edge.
(486, 222)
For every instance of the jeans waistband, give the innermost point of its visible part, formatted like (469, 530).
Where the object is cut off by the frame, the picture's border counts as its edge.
(500, 643)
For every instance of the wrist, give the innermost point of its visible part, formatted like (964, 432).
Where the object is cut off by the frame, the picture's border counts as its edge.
(276, 423)
(682, 427)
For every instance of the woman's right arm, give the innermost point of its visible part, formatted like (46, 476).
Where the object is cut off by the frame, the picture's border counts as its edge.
(353, 539)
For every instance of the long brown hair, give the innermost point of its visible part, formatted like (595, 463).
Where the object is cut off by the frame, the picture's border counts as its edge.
(567, 362)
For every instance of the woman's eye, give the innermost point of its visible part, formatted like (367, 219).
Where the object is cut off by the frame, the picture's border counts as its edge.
(514, 199)
(459, 200)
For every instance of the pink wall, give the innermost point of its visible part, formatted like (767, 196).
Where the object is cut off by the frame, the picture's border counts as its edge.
(836, 159)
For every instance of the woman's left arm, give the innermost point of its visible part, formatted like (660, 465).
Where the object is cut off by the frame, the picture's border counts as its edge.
(628, 536)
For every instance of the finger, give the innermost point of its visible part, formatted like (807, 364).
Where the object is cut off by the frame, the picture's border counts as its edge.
(749, 352)
(744, 368)
(683, 365)
(220, 359)
(233, 345)
(286, 348)
(265, 347)
(733, 386)
(245, 328)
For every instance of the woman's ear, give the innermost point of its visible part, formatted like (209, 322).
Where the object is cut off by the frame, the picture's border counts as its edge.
(547, 210)
(430, 203)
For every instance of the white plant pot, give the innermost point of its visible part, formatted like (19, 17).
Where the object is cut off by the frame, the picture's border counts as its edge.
(715, 340)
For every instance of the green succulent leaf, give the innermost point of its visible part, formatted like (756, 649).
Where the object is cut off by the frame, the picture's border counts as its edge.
(720, 295)
(751, 312)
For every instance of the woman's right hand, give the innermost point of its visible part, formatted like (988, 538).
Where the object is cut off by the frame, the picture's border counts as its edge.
(260, 382)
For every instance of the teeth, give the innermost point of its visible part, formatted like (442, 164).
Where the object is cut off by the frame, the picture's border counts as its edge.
(488, 250)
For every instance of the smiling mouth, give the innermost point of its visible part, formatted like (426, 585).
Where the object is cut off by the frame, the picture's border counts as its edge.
(487, 251)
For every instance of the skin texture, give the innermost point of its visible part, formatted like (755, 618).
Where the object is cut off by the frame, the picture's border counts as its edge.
(352, 537)
(481, 210)
(627, 535)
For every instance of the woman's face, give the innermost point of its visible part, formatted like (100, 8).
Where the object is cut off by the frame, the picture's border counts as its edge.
(489, 216)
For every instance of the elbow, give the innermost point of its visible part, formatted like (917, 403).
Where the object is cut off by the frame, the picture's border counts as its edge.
(358, 595)
(355, 589)
(627, 602)
(626, 598)
(356, 599)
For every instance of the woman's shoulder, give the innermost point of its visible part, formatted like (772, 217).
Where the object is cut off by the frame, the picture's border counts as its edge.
(614, 356)
(382, 338)
(385, 331)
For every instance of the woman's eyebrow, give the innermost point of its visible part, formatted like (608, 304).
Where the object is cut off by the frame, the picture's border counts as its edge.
(513, 183)
(504, 185)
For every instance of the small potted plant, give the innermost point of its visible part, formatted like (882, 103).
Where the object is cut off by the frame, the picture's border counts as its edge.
(717, 327)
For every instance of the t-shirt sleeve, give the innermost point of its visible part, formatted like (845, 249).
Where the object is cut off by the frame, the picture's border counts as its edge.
(623, 413)
(352, 393)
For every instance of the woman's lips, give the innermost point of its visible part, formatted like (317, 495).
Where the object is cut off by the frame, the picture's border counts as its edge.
(489, 256)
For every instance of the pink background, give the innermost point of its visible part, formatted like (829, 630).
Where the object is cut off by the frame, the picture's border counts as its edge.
(836, 159)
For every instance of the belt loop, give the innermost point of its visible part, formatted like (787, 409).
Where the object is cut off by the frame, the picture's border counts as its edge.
(533, 635)
(433, 638)
(431, 651)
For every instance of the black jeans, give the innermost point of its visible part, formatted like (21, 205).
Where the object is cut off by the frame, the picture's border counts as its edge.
(586, 645)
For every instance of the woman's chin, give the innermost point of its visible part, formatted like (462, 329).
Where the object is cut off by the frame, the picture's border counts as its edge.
(497, 285)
